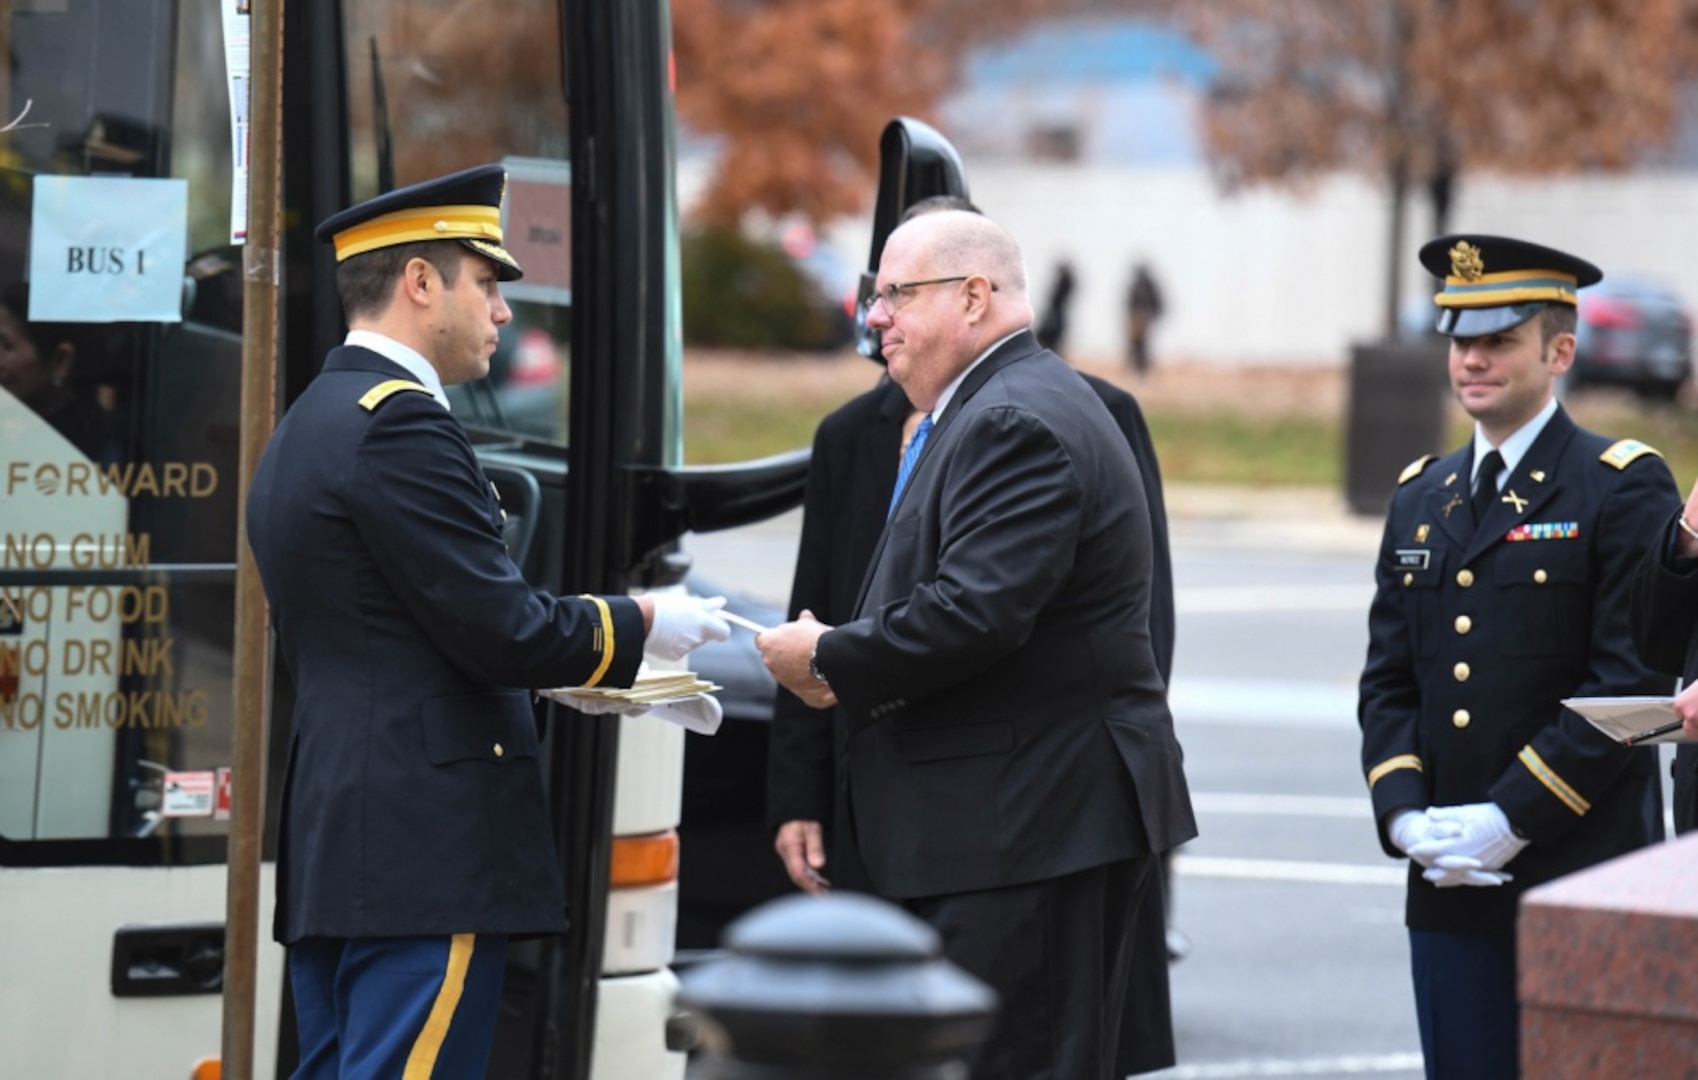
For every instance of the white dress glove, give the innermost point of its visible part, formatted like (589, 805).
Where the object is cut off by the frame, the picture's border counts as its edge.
(1411, 828)
(1449, 871)
(682, 623)
(700, 713)
(1485, 835)
(592, 704)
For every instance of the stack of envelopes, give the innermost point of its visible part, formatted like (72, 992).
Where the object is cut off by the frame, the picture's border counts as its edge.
(650, 688)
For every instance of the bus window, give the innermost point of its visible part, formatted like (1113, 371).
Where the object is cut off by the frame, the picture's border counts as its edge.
(117, 546)
(439, 85)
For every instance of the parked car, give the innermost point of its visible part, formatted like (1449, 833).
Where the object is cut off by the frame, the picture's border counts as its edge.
(1634, 333)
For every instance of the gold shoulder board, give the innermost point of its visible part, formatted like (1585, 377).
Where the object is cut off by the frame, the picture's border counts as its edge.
(1626, 452)
(383, 391)
(1416, 468)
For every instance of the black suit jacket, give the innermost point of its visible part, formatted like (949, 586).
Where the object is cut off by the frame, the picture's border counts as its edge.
(850, 477)
(413, 803)
(1008, 721)
(1665, 628)
(1477, 634)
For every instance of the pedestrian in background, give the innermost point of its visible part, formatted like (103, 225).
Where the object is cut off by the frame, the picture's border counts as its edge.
(1665, 627)
(415, 838)
(1052, 328)
(1012, 769)
(851, 475)
(1143, 308)
(1502, 587)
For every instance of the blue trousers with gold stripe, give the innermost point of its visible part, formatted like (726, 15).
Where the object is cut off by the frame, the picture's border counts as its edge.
(396, 1008)
(1465, 1003)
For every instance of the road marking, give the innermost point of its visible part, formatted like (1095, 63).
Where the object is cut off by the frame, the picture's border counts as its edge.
(1328, 806)
(1232, 599)
(1349, 1064)
(1293, 870)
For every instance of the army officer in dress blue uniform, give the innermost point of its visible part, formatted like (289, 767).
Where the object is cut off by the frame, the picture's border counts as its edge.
(415, 837)
(1502, 588)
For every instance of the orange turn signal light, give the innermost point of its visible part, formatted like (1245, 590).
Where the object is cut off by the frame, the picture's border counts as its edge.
(644, 860)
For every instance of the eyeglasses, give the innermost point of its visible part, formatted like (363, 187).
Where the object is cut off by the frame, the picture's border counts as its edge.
(898, 293)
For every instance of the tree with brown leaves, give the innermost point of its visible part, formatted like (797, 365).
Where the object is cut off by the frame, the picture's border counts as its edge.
(1420, 91)
(800, 89)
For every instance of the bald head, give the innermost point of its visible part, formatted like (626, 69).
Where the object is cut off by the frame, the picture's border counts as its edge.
(964, 242)
(965, 290)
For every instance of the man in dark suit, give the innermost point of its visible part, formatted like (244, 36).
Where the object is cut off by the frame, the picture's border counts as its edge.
(1502, 588)
(851, 475)
(1665, 628)
(1012, 769)
(415, 837)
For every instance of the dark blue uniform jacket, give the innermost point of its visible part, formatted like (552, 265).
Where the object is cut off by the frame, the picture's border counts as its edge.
(413, 802)
(1476, 635)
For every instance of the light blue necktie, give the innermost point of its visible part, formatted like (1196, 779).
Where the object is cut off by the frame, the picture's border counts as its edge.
(909, 456)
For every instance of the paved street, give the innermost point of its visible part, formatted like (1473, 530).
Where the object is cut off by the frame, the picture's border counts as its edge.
(1299, 960)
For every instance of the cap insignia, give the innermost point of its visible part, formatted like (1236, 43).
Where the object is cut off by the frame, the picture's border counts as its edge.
(1465, 261)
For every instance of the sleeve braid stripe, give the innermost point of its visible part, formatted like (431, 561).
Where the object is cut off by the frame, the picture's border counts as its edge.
(1548, 777)
(603, 640)
(1391, 765)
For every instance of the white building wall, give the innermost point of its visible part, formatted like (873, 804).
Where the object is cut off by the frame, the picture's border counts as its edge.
(1274, 277)
(1270, 276)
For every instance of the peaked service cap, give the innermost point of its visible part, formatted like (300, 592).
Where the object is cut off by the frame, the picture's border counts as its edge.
(1492, 283)
(463, 206)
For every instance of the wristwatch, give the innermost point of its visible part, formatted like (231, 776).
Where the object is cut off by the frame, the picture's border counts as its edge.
(814, 663)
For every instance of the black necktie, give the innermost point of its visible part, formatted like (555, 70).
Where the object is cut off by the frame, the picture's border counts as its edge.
(1486, 487)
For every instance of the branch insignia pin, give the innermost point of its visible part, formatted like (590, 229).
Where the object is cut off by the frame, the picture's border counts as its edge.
(1465, 261)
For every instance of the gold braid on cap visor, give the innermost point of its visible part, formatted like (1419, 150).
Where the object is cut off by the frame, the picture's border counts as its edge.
(421, 223)
(1509, 287)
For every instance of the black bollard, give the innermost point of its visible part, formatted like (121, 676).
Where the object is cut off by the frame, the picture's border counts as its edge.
(839, 987)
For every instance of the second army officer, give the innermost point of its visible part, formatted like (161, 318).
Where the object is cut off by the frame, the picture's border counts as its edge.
(1502, 588)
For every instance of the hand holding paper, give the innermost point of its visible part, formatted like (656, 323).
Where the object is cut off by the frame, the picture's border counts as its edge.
(788, 652)
(682, 623)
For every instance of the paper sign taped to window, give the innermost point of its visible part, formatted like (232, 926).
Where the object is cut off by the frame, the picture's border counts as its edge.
(108, 249)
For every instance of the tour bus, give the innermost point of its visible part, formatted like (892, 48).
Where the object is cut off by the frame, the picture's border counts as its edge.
(124, 152)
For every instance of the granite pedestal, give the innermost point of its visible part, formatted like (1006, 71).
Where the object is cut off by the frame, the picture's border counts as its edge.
(1607, 963)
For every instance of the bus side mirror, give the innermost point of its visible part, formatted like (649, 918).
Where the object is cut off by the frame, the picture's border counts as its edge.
(915, 162)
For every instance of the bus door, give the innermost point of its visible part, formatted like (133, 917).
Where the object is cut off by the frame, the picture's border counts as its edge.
(578, 424)
(119, 369)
